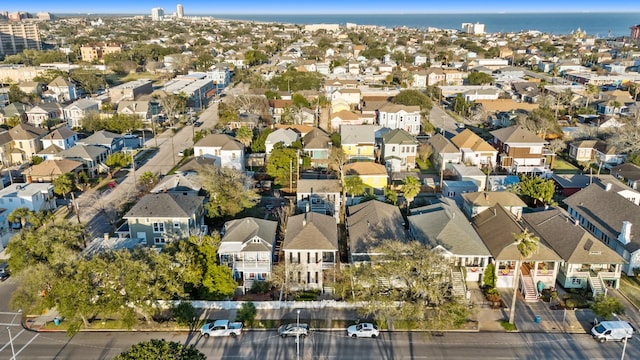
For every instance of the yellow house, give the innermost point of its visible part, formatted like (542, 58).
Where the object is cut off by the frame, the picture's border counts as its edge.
(373, 175)
(358, 141)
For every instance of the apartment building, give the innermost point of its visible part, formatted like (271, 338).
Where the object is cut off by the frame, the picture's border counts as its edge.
(17, 37)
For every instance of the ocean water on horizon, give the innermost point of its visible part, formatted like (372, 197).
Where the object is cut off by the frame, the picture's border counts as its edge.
(601, 25)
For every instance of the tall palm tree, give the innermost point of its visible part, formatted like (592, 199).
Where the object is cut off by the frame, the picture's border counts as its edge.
(21, 215)
(411, 188)
(591, 91)
(527, 244)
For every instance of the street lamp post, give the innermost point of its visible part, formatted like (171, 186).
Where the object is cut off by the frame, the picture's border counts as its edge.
(298, 336)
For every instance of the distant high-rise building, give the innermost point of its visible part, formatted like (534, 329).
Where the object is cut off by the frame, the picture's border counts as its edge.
(635, 33)
(17, 37)
(475, 29)
(157, 14)
(180, 11)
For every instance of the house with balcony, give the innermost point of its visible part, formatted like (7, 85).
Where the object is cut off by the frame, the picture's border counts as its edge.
(371, 223)
(522, 151)
(26, 142)
(247, 247)
(359, 141)
(587, 262)
(396, 116)
(474, 150)
(497, 229)
(608, 212)
(342, 118)
(399, 150)
(157, 219)
(598, 152)
(310, 251)
(78, 110)
(443, 228)
(62, 90)
(227, 151)
(316, 145)
(112, 141)
(41, 113)
(322, 196)
(93, 158)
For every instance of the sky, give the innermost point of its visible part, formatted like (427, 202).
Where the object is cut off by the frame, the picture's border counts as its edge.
(199, 7)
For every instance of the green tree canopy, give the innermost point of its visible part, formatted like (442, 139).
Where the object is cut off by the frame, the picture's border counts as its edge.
(413, 98)
(411, 188)
(227, 190)
(480, 78)
(293, 80)
(147, 181)
(161, 350)
(258, 144)
(536, 190)
(281, 165)
(408, 281)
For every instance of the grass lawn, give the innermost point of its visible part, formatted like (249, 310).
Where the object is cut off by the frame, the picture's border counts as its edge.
(631, 288)
(564, 166)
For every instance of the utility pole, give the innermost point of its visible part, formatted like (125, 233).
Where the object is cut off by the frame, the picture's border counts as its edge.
(133, 167)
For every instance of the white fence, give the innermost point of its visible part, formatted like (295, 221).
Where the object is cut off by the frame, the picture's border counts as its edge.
(269, 305)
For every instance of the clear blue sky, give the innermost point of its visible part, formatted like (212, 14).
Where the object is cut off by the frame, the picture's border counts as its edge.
(195, 7)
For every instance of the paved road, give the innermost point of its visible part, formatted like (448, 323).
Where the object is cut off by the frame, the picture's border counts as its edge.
(328, 345)
(441, 120)
(99, 209)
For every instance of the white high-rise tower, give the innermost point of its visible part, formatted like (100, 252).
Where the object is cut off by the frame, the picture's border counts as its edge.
(180, 11)
(157, 14)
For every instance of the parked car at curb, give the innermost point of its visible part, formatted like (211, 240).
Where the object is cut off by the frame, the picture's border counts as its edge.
(4, 271)
(221, 328)
(363, 330)
(293, 330)
(612, 331)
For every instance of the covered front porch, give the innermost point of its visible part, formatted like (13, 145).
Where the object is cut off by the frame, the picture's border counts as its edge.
(597, 277)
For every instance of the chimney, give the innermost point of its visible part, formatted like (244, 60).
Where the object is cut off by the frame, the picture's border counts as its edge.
(576, 222)
(304, 220)
(625, 233)
(607, 187)
(106, 236)
(486, 196)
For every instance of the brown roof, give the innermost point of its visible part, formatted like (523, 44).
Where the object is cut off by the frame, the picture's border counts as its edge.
(516, 134)
(345, 115)
(505, 105)
(311, 231)
(364, 168)
(467, 139)
(52, 168)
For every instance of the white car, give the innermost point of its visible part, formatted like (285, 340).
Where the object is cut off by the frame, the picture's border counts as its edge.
(363, 330)
(301, 330)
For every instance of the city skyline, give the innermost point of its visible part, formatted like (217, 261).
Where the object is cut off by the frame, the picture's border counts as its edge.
(335, 7)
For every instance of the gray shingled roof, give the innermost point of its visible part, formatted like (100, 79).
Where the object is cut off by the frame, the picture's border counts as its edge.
(497, 229)
(101, 137)
(321, 186)
(24, 131)
(607, 210)
(316, 139)
(443, 224)
(398, 136)
(441, 145)
(358, 134)
(223, 141)
(516, 134)
(165, 205)
(373, 222)
(572, 242)
(311, 231)
(239, 231)
(83, 152)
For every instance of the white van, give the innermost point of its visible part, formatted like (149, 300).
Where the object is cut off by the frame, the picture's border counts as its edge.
(612, 331)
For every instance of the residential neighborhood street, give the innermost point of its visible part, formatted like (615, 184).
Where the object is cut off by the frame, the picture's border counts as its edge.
(326, 345)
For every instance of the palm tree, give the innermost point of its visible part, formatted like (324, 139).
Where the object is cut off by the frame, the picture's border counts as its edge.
(527, 244)
(63, 185)
(591, 91)
(21, 215)
(411, 188)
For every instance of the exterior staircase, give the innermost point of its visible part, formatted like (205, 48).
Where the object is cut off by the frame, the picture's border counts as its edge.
(459, 287)
(529, 289)
(597, 286)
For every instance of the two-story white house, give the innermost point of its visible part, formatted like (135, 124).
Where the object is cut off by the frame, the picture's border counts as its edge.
(247, 248)
(474, 150)
(79, 109)
(33, 196)
(310, 251)
(224, 148)
(321, 196)
(395, 116)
